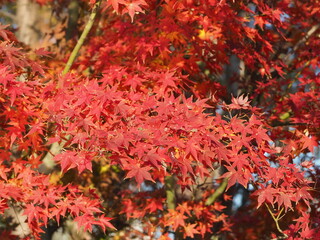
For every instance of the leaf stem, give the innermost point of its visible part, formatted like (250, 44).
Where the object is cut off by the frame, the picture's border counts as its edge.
(83, 36)
(276, 219)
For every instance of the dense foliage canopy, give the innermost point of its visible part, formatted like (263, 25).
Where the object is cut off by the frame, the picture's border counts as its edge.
(175, 119)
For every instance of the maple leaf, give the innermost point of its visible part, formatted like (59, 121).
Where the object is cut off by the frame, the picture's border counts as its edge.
(241, 176)
(36, 128)
(3, 205)
(104, 222)
(139, 173)
(153, 157)
(6, 34)
(85, 221)
(17, 90)
(42, 197)
(5, 76)
(32, 212)
(71, 159)
(133, 81)
(240, 102)
(134, 8)
(167, 80)
(155, 204)
(115, 4)
(258, 20)
(285, 200)
(175, 219)
(190, 230)
(276, 14)
(3, 172)
(42, 52)
(304, 218)
(309, 142)
(265, 195)
(13, 56)
(307, 233)
(307, 164)
(60, 210)
(184, 208)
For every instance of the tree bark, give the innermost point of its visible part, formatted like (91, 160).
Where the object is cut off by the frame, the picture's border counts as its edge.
(27, 17)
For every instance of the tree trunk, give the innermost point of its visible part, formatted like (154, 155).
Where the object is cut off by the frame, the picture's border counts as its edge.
(27, 17)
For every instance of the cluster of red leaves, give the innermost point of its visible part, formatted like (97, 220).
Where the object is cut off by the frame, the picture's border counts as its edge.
(23, 132)
(189, 218)
(132, 110)
(255, 148)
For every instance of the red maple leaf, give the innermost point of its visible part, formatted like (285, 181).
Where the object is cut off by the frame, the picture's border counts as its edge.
(309, 142)
(32, 212)
(258, 20)
(139, 173)
(115, 4)
(135, 7)
(176, 219)
(70, 159)
(241, 176)
(155, 204)
(190, 230)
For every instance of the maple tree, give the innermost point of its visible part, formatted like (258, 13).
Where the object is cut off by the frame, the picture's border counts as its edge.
(163, 113)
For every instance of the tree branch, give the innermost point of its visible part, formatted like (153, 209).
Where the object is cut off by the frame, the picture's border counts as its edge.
(170, 192)
(312, 30)
(303, 40)
(218, 192)
(279, 124)
(82, 37)
(8, 15)
(276, 220)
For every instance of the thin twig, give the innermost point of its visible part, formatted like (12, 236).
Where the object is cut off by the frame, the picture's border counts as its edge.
(276, 219)
(280, 124)
(18, 219)
(312, 30)
(302, 41)
(82, 37)
(8, 15)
